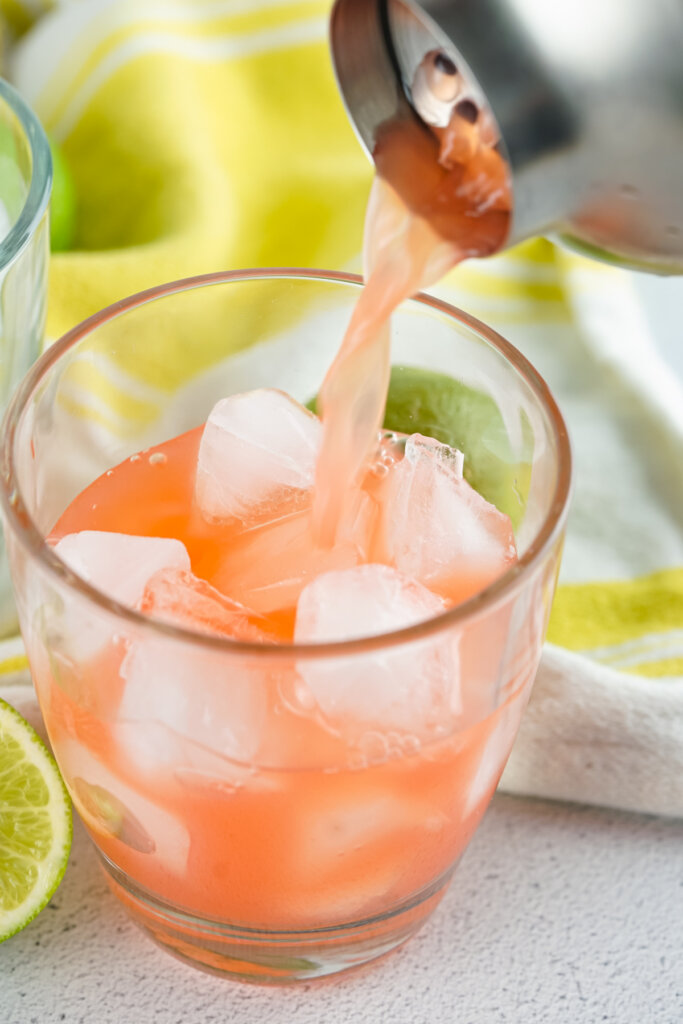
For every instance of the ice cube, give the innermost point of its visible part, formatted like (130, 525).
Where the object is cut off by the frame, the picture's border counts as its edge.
(411, 687)
(257, 448)
(268, 567)
(215, 699)
(178, 596)
(351, 849)
(157, 754)
(120, 564)
(438, 529)
(335, 827)
(494, 754)
(220, 711)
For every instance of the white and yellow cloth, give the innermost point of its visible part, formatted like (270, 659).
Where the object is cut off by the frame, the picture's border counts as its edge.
(209, 134)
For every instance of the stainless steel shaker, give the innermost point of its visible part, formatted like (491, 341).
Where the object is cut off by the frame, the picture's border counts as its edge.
(587, 96)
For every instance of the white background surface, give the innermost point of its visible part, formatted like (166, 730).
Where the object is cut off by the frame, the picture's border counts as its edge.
(557, 913)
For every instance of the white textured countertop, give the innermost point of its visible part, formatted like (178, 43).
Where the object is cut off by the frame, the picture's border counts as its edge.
(557, 913)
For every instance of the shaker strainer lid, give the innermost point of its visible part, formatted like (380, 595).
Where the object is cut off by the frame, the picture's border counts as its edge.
(393, 62)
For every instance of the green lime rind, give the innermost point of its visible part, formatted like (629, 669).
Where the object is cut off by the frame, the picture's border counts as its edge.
(63, 203)
(36, 824)
(14, 190)
(426, 402)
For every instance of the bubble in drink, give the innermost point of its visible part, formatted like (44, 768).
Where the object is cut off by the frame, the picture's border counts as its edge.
(410, 688)
(438, 529)
(256, 448)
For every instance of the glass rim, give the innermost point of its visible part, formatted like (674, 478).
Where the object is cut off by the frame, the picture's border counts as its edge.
(18, 518)
(38, 195)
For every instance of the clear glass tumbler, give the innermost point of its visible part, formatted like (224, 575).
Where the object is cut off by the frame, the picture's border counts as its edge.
(313, 855)
(25, 184)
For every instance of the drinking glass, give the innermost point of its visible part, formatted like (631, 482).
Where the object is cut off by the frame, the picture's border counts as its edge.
(314, 855)
(25, 184)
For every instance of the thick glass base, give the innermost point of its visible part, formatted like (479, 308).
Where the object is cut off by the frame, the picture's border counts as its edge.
(278, 957)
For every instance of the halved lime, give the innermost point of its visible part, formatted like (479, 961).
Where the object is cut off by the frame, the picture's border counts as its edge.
(35, 823)
(425, 402)
(436, 405)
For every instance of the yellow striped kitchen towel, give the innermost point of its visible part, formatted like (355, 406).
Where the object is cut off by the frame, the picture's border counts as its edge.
(208, 134)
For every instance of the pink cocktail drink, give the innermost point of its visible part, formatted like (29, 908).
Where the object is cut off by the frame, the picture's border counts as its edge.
(281, 745)
(285, 796)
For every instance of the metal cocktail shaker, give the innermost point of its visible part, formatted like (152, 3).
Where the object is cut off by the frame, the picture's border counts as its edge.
(587, 96)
